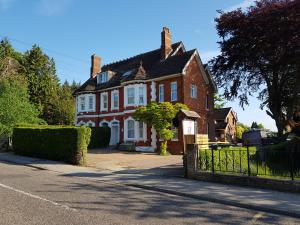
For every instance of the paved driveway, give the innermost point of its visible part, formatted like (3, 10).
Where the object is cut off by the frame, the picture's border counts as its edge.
(135, 162)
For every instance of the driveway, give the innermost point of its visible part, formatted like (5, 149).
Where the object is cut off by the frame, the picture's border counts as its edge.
(135, 162)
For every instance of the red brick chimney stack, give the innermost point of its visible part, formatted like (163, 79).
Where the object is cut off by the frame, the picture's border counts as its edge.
(95, 65)
(166, 43)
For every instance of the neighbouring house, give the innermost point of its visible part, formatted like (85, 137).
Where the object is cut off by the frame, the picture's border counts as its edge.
(255, 137)
(225, 125)
(170, 73)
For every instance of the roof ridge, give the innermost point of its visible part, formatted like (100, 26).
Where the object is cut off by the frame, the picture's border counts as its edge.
(136, 56)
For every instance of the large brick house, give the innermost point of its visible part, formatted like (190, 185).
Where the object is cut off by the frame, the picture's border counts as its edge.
(170, 73)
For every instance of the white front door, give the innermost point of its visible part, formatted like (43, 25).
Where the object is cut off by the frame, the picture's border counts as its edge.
(115, 134)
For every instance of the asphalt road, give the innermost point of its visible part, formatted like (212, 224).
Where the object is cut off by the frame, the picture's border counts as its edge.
(32, 196)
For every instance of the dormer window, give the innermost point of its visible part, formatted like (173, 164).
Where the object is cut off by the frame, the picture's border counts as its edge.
(103, 77)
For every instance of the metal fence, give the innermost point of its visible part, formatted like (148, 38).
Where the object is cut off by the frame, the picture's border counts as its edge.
(251, 161)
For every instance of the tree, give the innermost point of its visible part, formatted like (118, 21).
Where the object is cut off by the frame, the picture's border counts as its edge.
(43, 83)
(260, 53)
(15, 106)
(240, 129)
(219, 101)
(160, 116)
(64, 105)
(255, 125)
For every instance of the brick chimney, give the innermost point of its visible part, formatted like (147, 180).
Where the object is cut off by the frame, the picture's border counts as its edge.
(166, 42)
(95, 65)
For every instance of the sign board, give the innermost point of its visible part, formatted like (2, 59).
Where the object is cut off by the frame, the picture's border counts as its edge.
(188, 127)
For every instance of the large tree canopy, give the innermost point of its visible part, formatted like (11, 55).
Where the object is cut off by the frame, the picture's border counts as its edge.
(37, 72)
(260, 53)
(15, 106)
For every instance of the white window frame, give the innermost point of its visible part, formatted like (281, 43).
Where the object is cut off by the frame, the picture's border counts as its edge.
(137, 136)
(91, 102)
(173, 91)
(141, 93)
(133, 129)
(104, 121)
(82, 106)
(102, 108)
(132, 97)
(137, 94)
(86, 103)
(161, 93)
(113, 93)
(193, 91)
(102, 77)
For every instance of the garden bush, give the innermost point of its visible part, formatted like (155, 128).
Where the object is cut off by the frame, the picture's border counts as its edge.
(100, 137)
(62, 143)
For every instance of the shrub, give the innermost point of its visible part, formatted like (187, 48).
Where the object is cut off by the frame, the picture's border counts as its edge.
(63, 143)
(100, 137)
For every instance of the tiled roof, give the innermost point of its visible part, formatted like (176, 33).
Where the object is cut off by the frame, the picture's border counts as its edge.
(141, 67)
(220, 114)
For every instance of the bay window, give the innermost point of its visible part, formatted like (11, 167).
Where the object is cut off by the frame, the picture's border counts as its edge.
(130, 96)
(135, 95)
(82, 103)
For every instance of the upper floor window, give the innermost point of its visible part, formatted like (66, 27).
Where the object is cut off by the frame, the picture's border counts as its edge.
(103, 77)
(91, 102)
(174, 91)
(130, 96)
(115, 99)
(104, 101)
(161, 93)
(193, 91)
(141, 95)
(135, 95)
(82, 103)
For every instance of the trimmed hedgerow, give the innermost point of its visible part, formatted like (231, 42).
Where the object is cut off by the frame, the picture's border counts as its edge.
(100, 137)
(62, 143)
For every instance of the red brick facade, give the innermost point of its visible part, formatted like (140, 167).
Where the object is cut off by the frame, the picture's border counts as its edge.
(191, 72)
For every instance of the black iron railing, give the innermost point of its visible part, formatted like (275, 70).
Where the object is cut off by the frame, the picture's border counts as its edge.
(250, 161)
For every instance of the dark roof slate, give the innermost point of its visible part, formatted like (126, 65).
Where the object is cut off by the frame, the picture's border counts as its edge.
(220, 114)
(141, 67)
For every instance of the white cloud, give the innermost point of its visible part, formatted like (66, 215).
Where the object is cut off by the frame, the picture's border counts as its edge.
(208, 55)
(52, 7)
(243, 5)
(5, 4)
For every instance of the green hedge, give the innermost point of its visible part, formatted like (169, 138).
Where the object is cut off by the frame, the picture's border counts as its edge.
(100, 137)
(63, 143)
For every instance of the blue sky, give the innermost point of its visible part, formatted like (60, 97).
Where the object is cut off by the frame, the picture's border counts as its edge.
(71, 30)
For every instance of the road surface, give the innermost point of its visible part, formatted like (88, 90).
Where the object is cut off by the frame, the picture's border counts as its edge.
(32, 196)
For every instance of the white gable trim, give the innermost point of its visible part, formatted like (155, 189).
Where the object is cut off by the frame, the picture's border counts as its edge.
(178, 48)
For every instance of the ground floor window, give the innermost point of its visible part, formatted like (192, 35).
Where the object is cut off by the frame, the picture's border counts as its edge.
(130, 129)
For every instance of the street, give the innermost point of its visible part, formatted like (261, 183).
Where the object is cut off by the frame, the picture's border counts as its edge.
(32, 196)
